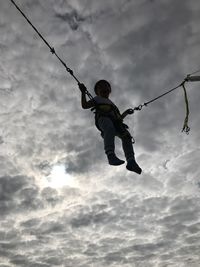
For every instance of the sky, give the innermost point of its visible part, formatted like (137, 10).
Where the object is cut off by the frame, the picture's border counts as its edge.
(61, 204)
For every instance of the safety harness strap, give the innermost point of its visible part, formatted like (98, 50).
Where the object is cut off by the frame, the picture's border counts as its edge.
(120, 127)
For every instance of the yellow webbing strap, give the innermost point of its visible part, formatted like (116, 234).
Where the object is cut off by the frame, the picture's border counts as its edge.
(186, 128)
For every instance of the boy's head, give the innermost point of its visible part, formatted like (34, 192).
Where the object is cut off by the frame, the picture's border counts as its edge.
(102, 88)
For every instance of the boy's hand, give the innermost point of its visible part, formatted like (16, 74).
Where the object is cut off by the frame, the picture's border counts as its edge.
(82, 88)
(127, 112)
(130, 111)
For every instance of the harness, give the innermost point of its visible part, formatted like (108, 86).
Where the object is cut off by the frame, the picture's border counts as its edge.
(112, 112)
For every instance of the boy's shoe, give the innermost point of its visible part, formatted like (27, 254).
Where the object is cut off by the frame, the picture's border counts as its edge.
(133, 166)
(114, 160)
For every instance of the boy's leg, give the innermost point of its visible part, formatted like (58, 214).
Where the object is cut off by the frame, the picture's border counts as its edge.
(109, 133)
(129, 154)
(128, 147)
(108, 129)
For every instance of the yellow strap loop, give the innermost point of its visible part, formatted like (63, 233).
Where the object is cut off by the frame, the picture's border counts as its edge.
(186, 128)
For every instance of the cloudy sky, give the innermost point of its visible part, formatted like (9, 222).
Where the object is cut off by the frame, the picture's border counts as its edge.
(61, 204)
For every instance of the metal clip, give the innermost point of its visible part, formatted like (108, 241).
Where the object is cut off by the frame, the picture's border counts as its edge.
(52, 50)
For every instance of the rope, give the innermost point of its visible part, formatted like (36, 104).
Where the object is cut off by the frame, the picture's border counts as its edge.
(52, 50)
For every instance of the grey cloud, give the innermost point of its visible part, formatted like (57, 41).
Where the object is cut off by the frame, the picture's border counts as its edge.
(51, 196)
(84, 161)
(51, 227)
(30, 223)
(19, 260)
(95, 216)
(115, 257)
(88, 148)
(194, 228)
(19, 194)
(10, 186)
(53, 261)
(10, 189)
(38, 264)
(72, 18)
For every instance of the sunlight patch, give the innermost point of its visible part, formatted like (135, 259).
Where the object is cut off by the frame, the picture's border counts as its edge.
(60, 178)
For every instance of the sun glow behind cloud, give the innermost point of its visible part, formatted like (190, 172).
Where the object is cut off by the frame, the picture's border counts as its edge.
(59, 177)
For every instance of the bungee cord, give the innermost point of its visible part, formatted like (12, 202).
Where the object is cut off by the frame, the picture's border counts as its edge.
(189, 77)
(52, 50)
(185, 128)
(192, 73)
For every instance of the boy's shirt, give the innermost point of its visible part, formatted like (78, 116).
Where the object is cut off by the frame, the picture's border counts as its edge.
(106, 105)
(102, 100)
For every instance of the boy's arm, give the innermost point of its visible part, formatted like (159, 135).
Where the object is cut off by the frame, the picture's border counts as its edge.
(84, 102)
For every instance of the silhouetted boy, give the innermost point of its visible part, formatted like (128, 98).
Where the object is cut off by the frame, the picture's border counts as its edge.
(110, 122)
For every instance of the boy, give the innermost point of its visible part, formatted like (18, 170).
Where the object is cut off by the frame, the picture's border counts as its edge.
(110, 122)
